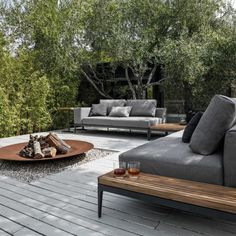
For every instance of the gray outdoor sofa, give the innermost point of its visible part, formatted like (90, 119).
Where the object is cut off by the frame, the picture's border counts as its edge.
(210, 156)
(140, 117)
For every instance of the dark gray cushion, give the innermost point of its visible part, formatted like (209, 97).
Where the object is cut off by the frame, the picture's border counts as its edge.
(122, 122)
(98, 110)
(112, 103)
(230, 158)
(171, 157)
(188, 131)
(216, 120)
(120, 111)
(141, 107)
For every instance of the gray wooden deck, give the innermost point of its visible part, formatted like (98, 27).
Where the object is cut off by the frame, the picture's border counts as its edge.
(66, 203)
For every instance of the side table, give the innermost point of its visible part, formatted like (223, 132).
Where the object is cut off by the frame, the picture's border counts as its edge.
(166, 128)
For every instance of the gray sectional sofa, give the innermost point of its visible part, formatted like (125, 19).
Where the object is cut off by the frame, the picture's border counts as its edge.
(143, 115)
(210, 156)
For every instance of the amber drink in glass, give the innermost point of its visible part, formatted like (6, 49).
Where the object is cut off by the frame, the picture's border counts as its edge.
(134, 169)
(119, 169)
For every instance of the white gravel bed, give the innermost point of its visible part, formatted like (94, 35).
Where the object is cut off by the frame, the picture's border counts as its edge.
(31, 171)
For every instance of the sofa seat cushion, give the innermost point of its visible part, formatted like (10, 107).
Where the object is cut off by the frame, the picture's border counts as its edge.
(119, 122)
(171, 157)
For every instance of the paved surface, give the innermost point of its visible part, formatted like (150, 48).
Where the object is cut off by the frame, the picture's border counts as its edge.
(66, 203)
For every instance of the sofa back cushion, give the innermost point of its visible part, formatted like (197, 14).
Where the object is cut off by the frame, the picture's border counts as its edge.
(142, 107)
(120, 111)
(216, 120)
(98, 110)
(188, 131)
(113, 103)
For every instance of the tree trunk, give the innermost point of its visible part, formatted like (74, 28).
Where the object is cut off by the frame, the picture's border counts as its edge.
(188, 105)
(131, 87)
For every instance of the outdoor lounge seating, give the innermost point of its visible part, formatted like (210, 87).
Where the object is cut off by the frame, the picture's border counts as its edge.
(210, 156)
(143, 115)
(194, 177)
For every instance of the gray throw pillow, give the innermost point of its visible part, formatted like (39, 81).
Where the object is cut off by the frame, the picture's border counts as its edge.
(98, 110)
(120, 111)
(216, 120)
(142, 107)
(112, 103)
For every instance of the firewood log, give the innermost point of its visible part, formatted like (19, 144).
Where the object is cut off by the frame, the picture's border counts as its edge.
(61, 141)
(49, 152)
(54, 142)
(37, 150)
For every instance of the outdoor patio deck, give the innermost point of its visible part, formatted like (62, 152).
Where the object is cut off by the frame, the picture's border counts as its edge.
(66, 203)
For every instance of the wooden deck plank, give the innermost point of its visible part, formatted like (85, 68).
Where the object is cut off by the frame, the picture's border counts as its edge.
(8, 226)
(31, 222)
(68, 222)
(89, 199)
(4, 233)
(26, 232)
(76, 217)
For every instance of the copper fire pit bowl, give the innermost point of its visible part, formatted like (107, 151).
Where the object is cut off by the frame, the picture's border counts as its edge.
(11, 152)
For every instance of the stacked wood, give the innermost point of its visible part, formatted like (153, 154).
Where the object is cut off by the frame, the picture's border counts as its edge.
(57, 143)
(44, 147)
(37, 150)
(49, 152)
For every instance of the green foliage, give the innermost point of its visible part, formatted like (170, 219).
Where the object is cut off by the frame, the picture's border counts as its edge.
(23, 96)
(47, 46)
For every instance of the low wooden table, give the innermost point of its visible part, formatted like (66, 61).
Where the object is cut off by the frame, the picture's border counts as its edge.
(206, 199)
(167, 127)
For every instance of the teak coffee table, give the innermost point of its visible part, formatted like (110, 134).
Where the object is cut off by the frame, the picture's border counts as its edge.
(166, 128)
(202, 198)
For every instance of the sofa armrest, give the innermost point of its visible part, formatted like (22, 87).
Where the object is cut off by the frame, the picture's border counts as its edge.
(229, 158)
(80, 113)
(161, 113)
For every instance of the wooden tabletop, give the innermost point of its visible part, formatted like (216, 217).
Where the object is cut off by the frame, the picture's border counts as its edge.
(171, 127)
(66, 108)
(196, 193)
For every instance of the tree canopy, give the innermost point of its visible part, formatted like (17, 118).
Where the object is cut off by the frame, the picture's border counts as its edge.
(46, 47)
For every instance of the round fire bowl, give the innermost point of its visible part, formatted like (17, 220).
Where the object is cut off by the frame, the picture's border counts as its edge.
(11, 152)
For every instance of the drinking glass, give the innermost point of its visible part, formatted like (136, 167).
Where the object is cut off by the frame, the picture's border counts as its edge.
(134, 169)
(119, 169)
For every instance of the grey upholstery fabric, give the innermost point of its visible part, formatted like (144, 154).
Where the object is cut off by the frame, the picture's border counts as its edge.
(161, 113)
(80, 113)
(229, 159)
(98, 110)
(125, 122)
(216, 120)
(142, 107)
(191, 126)
(120, 111)
(169, 156)
(113, 103)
